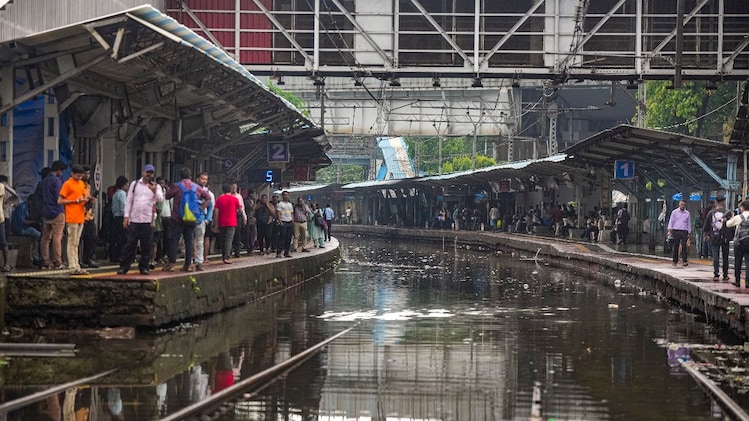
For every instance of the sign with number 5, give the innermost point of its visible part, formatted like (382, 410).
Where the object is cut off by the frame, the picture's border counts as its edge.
(278, 152)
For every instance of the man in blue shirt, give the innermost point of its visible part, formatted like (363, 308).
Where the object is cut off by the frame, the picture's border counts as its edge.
(54, 218)
(329, 215)
(680, 229)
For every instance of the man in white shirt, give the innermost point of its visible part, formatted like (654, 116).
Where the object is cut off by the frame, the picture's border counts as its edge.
(142, 195)
(285, 215)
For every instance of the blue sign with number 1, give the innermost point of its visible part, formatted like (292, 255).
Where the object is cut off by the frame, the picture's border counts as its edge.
(624, 170)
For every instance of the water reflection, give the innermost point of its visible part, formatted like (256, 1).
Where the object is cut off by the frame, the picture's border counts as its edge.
(443, 334)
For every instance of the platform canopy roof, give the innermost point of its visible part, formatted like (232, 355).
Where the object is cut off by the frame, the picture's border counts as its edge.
(159, 69)
(685, 162)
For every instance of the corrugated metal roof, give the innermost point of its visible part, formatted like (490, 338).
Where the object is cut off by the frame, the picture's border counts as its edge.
(161, 69)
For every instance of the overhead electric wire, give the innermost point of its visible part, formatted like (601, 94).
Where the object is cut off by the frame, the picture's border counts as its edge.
(698, 118)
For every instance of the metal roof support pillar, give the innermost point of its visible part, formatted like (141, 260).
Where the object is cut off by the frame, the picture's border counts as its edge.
(653, 225)
(6, 124)
(553, 147)
(51, 130)
(732, 161)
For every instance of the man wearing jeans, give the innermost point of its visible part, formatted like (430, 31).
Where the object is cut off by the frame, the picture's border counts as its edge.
(183, 229)
(202, 224)
(329, 215)
(53, 215)
(713, 229)
(680, 228)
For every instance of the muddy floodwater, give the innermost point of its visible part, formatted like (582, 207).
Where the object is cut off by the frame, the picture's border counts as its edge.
(440, 333)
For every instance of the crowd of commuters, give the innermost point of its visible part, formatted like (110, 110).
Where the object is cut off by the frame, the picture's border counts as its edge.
(156, 220)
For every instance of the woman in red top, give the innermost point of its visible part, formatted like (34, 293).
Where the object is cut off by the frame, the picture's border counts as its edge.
(226, 207)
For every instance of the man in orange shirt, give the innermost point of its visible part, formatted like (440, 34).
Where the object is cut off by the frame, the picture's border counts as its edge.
(73, 195)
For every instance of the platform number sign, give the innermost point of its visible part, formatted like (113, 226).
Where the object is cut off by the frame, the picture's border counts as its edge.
(624, 170)
(278, 152)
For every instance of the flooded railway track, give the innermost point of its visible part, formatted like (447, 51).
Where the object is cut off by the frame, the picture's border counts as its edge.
(223, 401)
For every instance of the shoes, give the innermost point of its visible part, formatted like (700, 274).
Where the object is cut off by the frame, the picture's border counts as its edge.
(198, 267)
(262, 253)
(122, 272)
(227, 262)
(726, 278)
(90, 264)
(152, 266)
(59, 266)
(737, 284)
(287, 255)
(673, 264)
(187, 269)
(716, 278)
(322, 247)
(84, 265)
(235, 255)
(80, 272)
(168, 268)
(144, 271)
(304, 249)
(685, 264)
(5, 268)
(278, 255)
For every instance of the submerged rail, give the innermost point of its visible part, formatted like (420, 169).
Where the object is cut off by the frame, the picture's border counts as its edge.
(235, 392)
(727, 403)
(28, 400)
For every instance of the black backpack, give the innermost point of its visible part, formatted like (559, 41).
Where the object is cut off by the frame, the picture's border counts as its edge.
(742, 232)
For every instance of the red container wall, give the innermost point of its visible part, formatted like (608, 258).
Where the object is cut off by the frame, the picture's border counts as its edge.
(219, 17)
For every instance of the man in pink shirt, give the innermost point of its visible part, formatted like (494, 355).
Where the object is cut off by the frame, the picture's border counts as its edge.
(142, 195)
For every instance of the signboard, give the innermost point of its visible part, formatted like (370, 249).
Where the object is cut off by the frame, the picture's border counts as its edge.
(97, 177)
(278, 152)
(265, 175)
(229, 164)
(624, 170)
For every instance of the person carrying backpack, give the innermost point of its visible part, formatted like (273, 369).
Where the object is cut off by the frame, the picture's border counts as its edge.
(186, 214)
(740, 241)
(718, 235)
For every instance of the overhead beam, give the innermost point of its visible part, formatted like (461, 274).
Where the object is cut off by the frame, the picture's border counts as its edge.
(441, 31)
(387, 59)
(485, 61)
(200, 24)
(51, 84)
(283, 30)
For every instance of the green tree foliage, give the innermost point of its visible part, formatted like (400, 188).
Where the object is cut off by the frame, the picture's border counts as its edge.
(691, 110)
(348, 174)
(293, 99)
(456, 151)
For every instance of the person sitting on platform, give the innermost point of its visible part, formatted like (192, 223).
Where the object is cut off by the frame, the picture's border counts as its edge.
(590, 233)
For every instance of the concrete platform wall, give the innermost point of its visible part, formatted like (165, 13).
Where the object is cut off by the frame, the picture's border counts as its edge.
(49, 300)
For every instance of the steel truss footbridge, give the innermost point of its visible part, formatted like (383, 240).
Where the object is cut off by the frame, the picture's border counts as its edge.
(436, 68)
